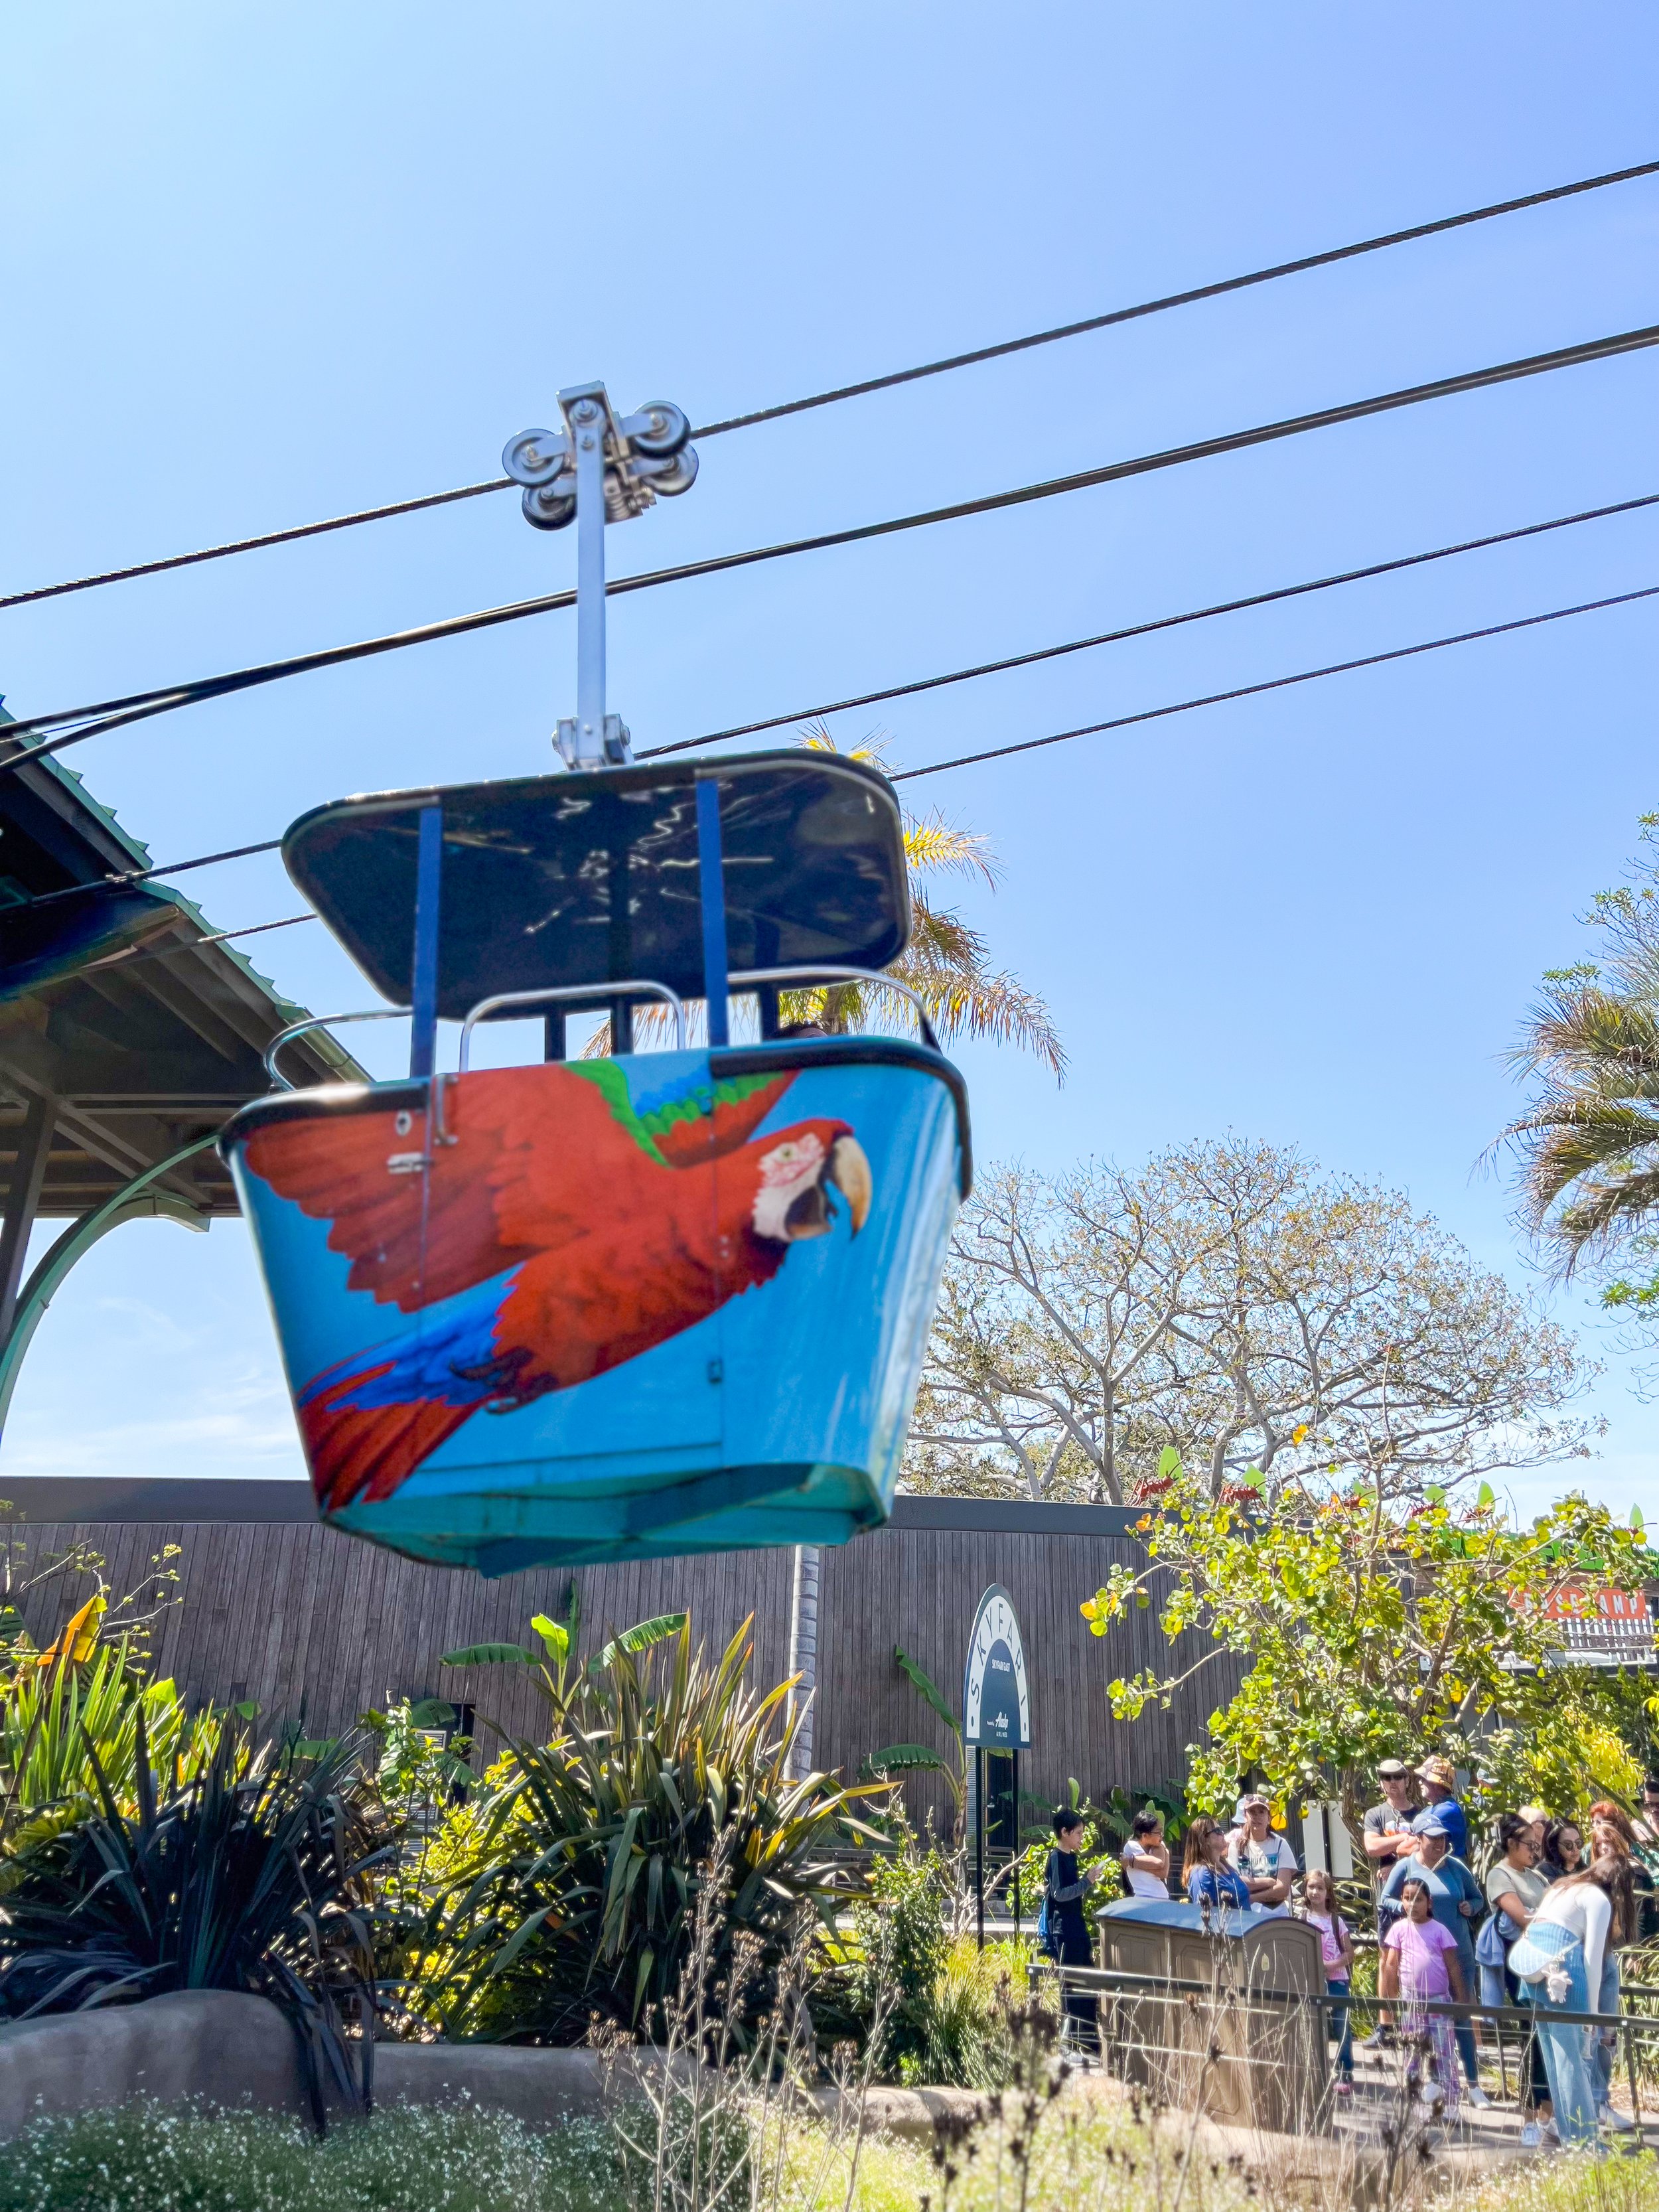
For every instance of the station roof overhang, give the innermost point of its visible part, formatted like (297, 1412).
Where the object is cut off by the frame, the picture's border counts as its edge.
(125, 1029)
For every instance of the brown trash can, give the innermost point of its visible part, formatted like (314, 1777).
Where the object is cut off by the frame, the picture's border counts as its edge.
(1243, 2047)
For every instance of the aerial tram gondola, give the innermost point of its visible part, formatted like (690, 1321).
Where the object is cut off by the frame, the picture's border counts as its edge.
(665, 1301)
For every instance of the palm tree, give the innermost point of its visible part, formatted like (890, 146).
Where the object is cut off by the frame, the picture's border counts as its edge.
(946, 962)
(1589, 1143)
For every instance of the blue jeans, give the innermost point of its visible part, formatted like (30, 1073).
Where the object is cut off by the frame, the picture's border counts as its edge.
(1603, 2054)
(1566, 2049)
(1341, 2026)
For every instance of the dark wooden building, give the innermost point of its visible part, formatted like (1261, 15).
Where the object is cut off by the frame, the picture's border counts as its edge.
(273, 1608)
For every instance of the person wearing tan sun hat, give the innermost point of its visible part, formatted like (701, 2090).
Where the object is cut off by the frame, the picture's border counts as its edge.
(1440, 1779)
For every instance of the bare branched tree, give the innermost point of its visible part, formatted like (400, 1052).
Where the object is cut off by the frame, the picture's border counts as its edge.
(1231, 1301)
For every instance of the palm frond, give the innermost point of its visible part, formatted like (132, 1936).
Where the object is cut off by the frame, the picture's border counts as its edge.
(978, 1002)
(871, 747)
(1589, 1143)
(1583, 1033)
(947, 963)
(936, 847)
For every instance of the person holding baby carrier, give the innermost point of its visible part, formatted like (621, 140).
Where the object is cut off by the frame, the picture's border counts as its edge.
(1558, 1963)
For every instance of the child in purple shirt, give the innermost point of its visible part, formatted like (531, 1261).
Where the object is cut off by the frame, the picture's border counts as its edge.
(1419, 1963)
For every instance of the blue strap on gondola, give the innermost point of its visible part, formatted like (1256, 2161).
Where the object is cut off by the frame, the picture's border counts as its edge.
(423, 1031)
(711, 875)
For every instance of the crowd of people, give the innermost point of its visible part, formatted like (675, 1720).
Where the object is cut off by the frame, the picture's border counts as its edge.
(1544, 1929)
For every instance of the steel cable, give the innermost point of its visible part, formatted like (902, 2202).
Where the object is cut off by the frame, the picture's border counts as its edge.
(995, 752)
(1149, 628)
(888, 382)
(115, 714)
(1277, 684)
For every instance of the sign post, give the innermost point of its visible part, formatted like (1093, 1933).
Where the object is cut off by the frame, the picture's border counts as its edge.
(996, 1715)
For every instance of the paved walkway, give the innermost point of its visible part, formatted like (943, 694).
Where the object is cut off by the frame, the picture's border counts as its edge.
(1380, 2094)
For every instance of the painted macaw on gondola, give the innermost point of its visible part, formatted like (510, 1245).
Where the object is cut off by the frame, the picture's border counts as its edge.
(535, 1294)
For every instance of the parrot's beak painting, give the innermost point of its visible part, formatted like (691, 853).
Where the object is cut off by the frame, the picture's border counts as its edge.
(610, 1307)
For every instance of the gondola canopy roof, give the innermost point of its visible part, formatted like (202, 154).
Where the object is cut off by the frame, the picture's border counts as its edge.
(561, 880)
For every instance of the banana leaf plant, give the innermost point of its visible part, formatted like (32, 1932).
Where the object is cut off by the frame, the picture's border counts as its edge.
(899, 1759)
(552, 1662)
(576, 1890)
(250, 1874)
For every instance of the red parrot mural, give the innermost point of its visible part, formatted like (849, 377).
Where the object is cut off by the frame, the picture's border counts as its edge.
(557, 1232)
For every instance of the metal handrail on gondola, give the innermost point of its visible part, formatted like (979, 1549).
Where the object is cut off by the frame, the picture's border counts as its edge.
(633, 987)
(323, 1022)
(636, 987)
(743, 979)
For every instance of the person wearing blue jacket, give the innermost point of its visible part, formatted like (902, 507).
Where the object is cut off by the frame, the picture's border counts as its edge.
(1456, 1900)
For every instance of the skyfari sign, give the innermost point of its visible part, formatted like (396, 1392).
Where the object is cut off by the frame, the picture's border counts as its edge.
(996, 1703)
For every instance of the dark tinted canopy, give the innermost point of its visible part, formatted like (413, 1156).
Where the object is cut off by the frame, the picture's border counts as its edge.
(593, 878)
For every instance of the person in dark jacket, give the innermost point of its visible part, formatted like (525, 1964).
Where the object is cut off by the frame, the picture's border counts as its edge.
(1066, 1928)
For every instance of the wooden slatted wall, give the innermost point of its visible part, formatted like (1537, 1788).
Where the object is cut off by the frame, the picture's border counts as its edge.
(300, 1617)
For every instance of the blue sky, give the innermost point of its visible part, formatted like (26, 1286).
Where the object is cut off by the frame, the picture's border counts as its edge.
(260, 266)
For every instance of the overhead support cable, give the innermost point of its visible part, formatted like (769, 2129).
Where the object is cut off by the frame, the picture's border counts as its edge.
(888, 382)
(1277, 684)
(996, 752)
(136, 957)
(115, 714)
(1158, 307)
(127, 877)
(1149, 628)
(254, 544)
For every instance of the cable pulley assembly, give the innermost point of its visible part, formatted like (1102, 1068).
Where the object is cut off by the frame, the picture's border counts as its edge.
(647, 457)
(599, 469)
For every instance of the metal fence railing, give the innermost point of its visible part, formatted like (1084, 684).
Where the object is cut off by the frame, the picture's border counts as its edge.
(1263, 2056)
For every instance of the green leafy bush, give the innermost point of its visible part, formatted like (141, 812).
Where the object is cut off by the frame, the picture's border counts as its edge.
(58, 1720)
(249, 1875)
(1100, 1856)
(566, 1888)
(940, 2006)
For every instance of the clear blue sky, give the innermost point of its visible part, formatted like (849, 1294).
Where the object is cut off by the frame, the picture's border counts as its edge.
(264, 265)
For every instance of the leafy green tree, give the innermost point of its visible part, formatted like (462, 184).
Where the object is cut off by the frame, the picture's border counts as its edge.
(1368, 1628)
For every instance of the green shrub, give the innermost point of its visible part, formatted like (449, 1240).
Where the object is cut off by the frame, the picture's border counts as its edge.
(568, 1887)
(57, 1720)
(1100, 1855)
(250, 1875)
(147, 2157)
(941, 2004)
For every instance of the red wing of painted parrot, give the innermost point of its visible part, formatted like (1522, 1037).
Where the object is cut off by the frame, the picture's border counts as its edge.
(559, 1245)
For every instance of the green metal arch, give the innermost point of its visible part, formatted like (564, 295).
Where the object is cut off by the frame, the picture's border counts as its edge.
(135, 1201)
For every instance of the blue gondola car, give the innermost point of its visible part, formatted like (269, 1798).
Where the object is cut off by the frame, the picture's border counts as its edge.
(665, 1302)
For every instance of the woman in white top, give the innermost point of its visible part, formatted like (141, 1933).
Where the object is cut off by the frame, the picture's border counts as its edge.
(1559, 1963)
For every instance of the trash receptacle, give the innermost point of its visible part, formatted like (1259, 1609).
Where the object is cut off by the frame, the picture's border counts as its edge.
(1237, 2030)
